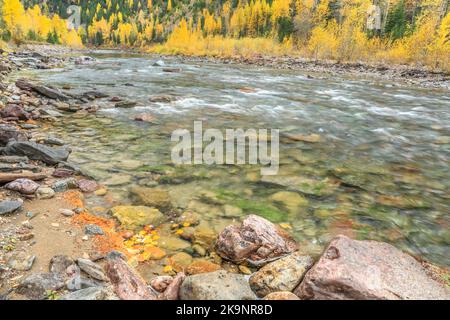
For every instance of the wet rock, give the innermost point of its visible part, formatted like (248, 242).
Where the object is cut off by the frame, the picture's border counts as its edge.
(313, 138)
(144, 117)
(101, 192)
(89, 294)
(92, 269)
(219, 285)
(82, 60)
(304, 185)
(202, 266)
(53, 141)
(162, 99)
(173, 243)
(180, 261)
(49, 92)
(21, 261)
(199, 250)
(87, 186)
(125, 104)
(14, 111)
(256, 240)
(232, 211)
(93, 230)
(158, 63)
(24, 186)
(10, 206)
(35, 286)
(290, 200)
(118, 180)
(135, 217)
(10, 133)
(205, 235)
(128, 285)
(351, 269)
(36, 151)
(151, 197)
(284, 295)
(45, 193)
(173, 289)
(281, 275)
(161, 283)
(172, 70)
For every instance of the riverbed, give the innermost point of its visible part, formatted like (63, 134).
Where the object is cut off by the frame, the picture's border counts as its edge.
(371, 157)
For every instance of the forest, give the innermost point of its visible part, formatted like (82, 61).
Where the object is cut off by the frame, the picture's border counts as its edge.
(386, 31)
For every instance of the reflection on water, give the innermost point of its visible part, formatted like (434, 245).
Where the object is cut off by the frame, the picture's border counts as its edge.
(380, 170)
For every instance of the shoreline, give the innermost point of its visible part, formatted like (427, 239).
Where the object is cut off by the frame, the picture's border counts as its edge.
(403, 73)
(106, 266)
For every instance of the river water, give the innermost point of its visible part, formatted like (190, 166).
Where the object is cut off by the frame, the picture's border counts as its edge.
(379, 171)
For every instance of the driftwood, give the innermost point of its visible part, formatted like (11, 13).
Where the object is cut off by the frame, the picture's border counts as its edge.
(8, 177)
(128, 285)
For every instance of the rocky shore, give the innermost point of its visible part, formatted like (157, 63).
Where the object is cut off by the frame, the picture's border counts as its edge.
(52, 247)
(399, 74)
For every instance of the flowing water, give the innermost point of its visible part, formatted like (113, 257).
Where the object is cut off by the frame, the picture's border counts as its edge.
(380, 170)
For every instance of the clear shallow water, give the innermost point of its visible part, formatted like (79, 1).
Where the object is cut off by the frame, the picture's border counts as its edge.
(381, 170)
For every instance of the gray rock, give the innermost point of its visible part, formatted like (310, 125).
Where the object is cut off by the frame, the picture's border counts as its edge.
(64, 185)
(93, 230)
(77, 282)
(50, 93)
(36, 151)
(67, 212)
(351, 269)
(284, 274)
(24, 186)
(92, 269)
(60, 263)
(10, 133)
(45, 193)
(219, 285)
(21, 261)
(13, 159)
(94, 293)
(9, 206)
(35, 286)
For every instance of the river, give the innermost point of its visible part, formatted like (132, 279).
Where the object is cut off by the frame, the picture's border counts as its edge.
(380, 169)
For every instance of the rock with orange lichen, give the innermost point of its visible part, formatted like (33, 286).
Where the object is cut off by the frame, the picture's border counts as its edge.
(202, 266)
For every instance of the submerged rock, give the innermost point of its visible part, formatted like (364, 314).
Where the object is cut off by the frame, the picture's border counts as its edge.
(151, 197)
(256, 240)
(281, 275)
(351, 269)
(24, 186)
(125, 104)
(219, 285)
(135, 217)
(36, 151)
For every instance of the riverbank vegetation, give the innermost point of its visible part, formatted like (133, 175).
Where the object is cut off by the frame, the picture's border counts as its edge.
(371, 31)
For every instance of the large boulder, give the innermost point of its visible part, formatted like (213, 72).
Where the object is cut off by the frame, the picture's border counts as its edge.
(151, 197)
(9, 133)
(351, 269)
(36, 151)
(135, 217)
(219, 285)
(281, 275)
(255, 240)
